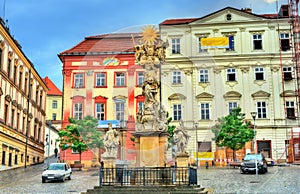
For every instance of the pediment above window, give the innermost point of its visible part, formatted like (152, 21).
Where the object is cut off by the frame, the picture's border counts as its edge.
(120, 97)
(261, 94)
(232, 95)
(100, 98)
(77, 97)
(288, 93)
(205, 95)
(177, 96)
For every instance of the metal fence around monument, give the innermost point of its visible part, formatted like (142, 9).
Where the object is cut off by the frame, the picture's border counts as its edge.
(147, 176)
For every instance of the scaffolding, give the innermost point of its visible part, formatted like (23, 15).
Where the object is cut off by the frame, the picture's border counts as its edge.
(294, 144)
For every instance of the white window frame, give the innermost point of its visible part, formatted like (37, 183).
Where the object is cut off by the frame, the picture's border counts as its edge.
(140, 78)
(285, 37)
(261, 109)
(230, 44)
(100, 111)
(78, 111)
(141, 105)
(204, 111)
(54, 104)
(257, 39)
(120, 111)
(175, 45)
(177, 112)
(200, 50)
(177, 77)
(287, 73)
(259, 73)
(290, 105)
(203, 75)
(120, 79)
(231, 106)
(229, 73)
(78, 80)
(100, 79)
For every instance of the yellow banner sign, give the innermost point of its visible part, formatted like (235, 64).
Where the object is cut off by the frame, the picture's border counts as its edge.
(215, 42)
(204, 155)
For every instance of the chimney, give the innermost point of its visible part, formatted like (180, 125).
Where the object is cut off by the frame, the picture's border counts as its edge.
(247, 9)
(284, 11)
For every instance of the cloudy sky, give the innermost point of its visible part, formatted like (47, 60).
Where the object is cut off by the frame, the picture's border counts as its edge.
(44, 28)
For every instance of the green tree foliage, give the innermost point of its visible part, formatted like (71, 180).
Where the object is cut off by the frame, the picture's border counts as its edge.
(80, 135)
(232, 131)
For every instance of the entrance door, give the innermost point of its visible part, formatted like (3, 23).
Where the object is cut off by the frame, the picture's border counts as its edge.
(264, 146)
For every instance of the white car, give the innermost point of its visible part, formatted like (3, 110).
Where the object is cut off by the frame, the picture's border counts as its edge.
(57, 171)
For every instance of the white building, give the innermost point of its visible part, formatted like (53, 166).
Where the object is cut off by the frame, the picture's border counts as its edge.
(202, 84)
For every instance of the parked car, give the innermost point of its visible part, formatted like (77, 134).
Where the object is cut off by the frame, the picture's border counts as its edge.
(248, 163)
(57, 171)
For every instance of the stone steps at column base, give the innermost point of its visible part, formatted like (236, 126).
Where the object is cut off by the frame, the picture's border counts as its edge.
(148, 190)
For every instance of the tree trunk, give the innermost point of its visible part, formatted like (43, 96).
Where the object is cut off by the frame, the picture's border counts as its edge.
(80, 157)
(234, 155)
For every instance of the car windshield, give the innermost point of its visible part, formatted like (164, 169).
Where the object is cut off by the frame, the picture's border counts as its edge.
(56, 167)
(252, 157)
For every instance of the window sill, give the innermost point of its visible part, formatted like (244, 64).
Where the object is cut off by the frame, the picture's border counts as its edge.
(120, 86)
(177, 85)
(100, 86)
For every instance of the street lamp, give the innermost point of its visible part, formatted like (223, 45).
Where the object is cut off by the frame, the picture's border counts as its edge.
(253, 114)
(48, 145)
(196, 129)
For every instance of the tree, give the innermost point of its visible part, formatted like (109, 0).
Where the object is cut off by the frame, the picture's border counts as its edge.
(80, 135)
(232, 131)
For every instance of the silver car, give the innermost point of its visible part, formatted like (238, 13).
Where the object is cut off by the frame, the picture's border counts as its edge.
(57, 171)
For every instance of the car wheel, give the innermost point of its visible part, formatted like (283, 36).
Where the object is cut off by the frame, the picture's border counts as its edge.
(242, 171)
(43, 180)
(266, 169)
(70, 177)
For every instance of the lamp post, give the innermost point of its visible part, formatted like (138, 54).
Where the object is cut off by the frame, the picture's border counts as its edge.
(48, 147)
(196, 129)
(253, 114)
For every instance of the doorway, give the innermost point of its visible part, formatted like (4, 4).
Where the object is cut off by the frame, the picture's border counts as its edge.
(264, 147)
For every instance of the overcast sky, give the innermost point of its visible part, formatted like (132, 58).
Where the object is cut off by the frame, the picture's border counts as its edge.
(44, 28)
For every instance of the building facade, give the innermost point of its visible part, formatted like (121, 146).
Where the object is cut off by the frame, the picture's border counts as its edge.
(22, 105)
(53, 104)
(100, 78)
(203, 81)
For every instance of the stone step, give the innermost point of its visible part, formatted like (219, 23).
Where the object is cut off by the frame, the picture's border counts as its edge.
(146, 190)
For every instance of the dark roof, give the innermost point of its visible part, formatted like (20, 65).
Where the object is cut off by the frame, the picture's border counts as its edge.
(106, 43)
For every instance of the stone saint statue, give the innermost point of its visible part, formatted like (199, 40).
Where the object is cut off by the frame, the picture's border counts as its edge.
(111, 141)
(181, 138)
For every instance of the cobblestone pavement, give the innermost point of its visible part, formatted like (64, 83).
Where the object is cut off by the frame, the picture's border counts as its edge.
(279, 179)
(221, 180)
(29, 181)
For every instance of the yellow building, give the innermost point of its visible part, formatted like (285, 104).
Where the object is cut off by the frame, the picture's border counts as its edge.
(203, 79)
(53, 104)
(22, 106)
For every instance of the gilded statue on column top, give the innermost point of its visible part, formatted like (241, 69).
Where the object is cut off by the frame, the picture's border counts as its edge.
(150, 54)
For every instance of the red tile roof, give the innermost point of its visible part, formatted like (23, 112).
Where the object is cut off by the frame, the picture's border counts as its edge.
(269, 15)
(178, 21)
(53, 90)
(118, 42)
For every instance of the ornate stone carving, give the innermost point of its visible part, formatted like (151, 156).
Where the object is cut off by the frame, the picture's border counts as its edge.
(245, 69)
(111, 142)
(181, 138)
(150, 54)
